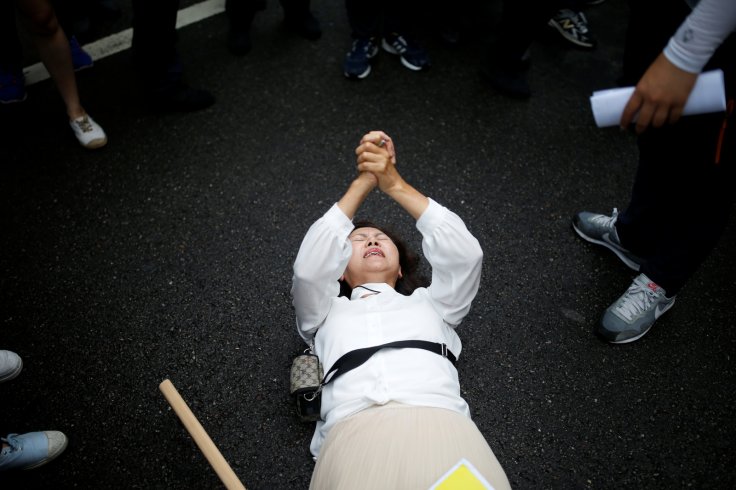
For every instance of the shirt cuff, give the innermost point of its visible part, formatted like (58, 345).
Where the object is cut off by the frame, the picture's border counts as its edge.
(338, 221)
(682, 59)
(431, 218)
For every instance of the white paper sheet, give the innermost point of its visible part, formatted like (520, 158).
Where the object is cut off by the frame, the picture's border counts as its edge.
(708, 95)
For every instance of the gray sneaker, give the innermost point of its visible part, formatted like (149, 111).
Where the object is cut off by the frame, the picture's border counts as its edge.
(10, 365)
(601, 229)
(634, 313)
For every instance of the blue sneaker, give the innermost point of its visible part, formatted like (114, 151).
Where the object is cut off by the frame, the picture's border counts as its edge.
(31, 450)
(12, 86)
(357, 63)
(80, 58)
(412, 55)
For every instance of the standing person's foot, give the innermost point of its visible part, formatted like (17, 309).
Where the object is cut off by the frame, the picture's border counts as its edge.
(632, 315)
(181, 97)
(304, 23)
(601, 230)
(12, 86)
(241, 14)
(507, 77)
(31, 450)
(357, 62)
(80, 58)
(450, 36)
(10, 365)
(89, 134)
(573, 26)
(413, 56)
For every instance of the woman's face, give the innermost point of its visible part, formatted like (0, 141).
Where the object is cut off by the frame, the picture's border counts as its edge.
(375, 258)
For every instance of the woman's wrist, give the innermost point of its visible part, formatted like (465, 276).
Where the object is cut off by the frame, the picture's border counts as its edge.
(396, 188)
(413, 201)
(355, 195)
(365, 182)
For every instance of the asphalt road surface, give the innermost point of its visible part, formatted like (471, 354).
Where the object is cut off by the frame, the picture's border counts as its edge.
(168, 254)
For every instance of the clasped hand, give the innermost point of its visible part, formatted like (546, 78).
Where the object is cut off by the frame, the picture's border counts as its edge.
(376, 161)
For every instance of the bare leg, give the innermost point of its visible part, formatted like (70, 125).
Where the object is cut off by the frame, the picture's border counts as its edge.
(53, 47)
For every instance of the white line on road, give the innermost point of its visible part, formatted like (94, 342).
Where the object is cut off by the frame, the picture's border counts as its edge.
(120, 41)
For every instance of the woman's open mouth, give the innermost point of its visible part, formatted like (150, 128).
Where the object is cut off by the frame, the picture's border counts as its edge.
(373, 251)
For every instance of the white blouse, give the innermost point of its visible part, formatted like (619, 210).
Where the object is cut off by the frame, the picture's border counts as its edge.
(338, 325)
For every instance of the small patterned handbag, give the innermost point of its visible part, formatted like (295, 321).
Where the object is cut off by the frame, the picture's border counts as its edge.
(306, 378)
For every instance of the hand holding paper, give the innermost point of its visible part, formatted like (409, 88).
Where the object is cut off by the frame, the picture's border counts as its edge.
(659, 96)
(708, 95)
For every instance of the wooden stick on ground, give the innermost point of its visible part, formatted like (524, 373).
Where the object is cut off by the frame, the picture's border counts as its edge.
(208, 448)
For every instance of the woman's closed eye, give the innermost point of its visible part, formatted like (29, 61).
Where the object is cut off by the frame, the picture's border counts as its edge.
(362, 238)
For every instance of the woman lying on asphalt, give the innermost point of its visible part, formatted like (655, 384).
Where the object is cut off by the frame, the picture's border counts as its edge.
(397, 420)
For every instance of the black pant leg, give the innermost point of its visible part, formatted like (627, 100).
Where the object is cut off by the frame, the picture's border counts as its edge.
(154, 38)
(681, 199)
(295, 8)
(364, 17)
(402, 17)
(11, 57)
(241, 13)
(521, 21)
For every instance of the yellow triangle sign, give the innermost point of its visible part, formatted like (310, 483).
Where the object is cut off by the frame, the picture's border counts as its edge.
(462, 476)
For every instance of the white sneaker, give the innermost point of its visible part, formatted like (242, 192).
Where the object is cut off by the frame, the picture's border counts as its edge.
(88, 132)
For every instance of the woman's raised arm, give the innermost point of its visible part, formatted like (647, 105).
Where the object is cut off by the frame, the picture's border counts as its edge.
(376, 156)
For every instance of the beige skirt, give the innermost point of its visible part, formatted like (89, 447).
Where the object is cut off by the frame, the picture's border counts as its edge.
(398, 446)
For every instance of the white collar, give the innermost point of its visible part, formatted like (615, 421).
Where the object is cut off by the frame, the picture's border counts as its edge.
(370, 288)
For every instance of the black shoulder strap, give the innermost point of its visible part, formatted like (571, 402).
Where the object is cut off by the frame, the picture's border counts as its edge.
(355, 358)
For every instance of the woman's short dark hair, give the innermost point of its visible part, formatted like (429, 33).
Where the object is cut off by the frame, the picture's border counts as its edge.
(409, 261)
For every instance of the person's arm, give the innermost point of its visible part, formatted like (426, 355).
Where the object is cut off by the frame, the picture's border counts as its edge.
(660, 96)
(380, 160)
(456, 259)
(356, 194)
(700, 34)
(324, 255)
(322, 258)
(453, 253)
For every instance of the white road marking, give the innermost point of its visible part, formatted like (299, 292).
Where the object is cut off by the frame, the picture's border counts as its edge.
(120, 41)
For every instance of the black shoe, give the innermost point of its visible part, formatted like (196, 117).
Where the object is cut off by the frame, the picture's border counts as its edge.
(238, 41)
(450, 36)
(509, 78)
(509, 82)
(304, 24)
(573, 26)
(182, 98)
